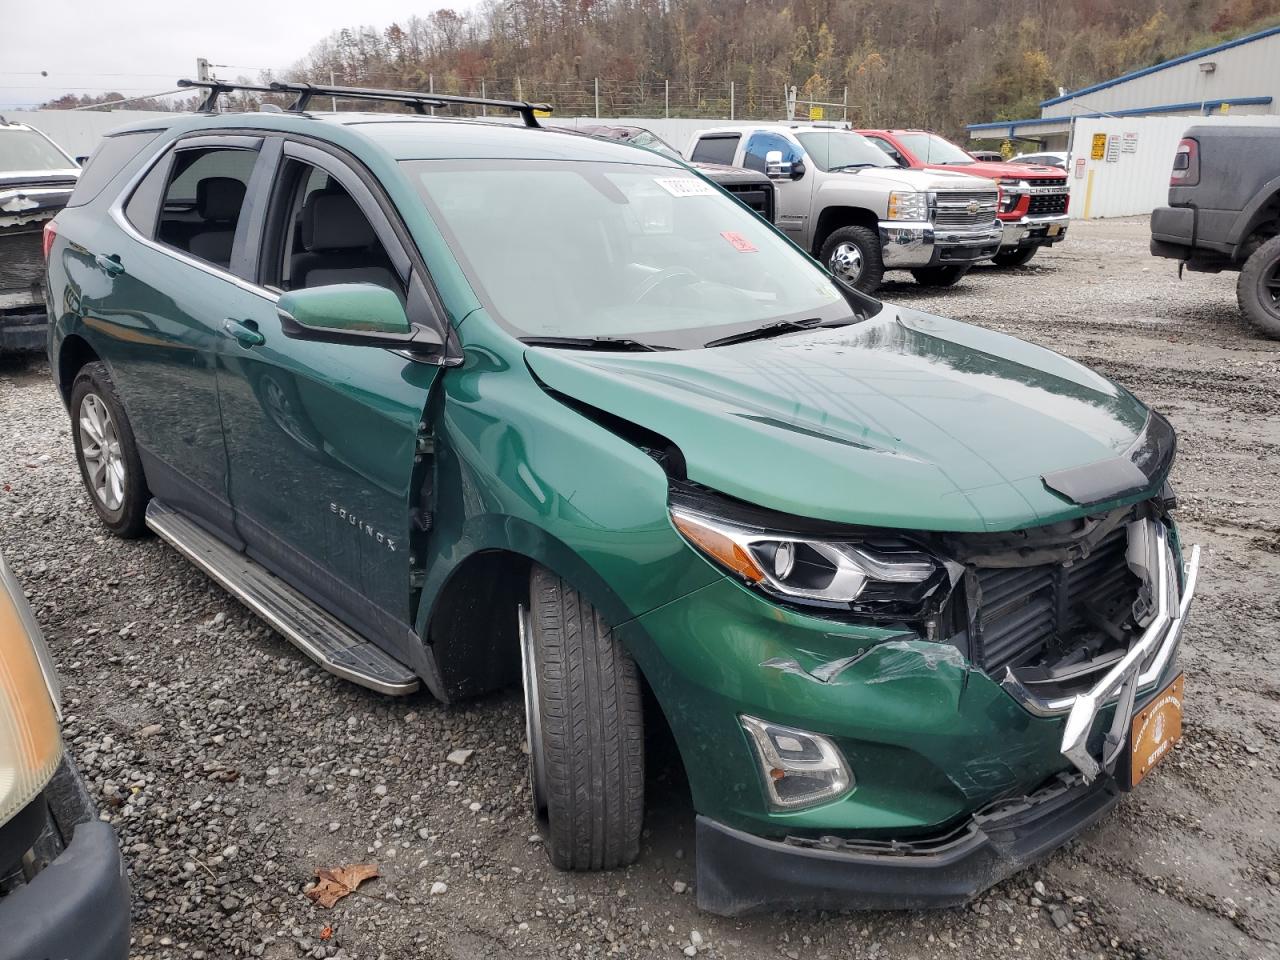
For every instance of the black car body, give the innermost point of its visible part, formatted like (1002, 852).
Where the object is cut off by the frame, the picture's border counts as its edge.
(1224, 213)
(36, 178)
(752, 188)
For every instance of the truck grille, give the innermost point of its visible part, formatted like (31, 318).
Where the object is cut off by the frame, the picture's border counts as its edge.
(1028, 612)
(22, 259)
(1047, 204)
(758, 196)
(964, 208)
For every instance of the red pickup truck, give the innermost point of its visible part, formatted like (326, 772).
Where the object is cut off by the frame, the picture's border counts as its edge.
(1033, 199)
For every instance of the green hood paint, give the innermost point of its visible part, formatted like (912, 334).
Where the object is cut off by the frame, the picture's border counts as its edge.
(905, 420)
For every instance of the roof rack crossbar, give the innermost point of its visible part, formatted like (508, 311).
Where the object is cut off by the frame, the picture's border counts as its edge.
(216, 88)
(418, 101)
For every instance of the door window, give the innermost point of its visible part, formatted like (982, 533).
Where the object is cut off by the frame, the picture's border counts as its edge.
(203, 201)
(716, 148)
(894, 154)
(323, 236)
(761, 143)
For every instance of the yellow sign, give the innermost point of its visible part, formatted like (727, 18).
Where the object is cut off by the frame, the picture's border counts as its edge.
(815, 113)
(1099, 149)
(1225, 107)
(542, 113)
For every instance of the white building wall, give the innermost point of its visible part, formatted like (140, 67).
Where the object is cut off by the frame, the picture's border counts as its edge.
(78, 131)
(1136, 181)
(1249, 70)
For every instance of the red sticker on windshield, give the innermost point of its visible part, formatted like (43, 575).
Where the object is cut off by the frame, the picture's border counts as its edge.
(740, 243)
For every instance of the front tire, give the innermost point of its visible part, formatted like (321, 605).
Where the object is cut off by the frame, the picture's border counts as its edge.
(107, 453)
(853, 255)
(1014, 258)
(586, 730)
(1258, 289)
(940, 276)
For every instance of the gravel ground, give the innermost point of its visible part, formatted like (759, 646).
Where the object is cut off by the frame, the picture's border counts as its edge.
(232, 769)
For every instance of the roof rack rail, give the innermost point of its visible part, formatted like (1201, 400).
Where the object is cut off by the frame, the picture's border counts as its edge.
(420, 102)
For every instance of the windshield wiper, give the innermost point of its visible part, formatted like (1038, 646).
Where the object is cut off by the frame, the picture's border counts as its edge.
(777, 327)
(851, 166)
(593, 343)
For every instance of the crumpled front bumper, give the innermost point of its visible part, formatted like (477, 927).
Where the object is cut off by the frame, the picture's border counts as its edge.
(1143, 666)
(1033, 231)
(906, 245)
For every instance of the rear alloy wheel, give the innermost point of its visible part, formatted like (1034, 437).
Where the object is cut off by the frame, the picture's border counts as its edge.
(852, 254)
(1258, 288)
(107, 454)
(1014, 258)
(585, 725)
(940, 276)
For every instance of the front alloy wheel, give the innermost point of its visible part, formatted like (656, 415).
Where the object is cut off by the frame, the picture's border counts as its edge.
(852, 254)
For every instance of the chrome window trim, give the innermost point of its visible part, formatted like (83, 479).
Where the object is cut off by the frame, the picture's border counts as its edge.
(116, 212)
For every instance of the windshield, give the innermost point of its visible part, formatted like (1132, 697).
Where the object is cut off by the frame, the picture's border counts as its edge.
(931, 148)
(840, 149)
(651, 253)
(28, 150)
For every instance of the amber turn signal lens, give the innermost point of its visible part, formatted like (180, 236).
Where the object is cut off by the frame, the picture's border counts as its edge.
(717, 545)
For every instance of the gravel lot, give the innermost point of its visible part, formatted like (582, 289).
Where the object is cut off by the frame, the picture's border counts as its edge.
(232, 769)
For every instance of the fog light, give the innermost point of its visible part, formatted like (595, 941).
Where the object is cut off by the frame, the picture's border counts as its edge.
(799, 768)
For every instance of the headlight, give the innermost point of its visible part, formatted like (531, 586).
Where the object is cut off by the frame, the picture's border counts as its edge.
(908, 205)
(880, 576)
(1011, 192)
(30, 745)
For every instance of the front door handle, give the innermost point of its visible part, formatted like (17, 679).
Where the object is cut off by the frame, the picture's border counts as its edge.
(111, 265)
(244, 332)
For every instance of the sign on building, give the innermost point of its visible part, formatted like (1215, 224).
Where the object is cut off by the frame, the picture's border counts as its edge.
(1129, 143)
(1113, 148)
(1099, 148)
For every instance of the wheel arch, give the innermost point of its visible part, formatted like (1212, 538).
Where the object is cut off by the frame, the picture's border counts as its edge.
(1260, 220)
(74, 353)
(833, 218)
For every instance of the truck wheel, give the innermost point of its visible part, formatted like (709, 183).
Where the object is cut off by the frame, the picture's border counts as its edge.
(107, 453)
(1258, 288)
(853, 255)
(1014, 258)
(940, 276)
(585, 728)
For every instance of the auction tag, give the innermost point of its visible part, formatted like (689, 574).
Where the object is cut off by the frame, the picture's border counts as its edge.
(685, 186)
(740, 243)
(1154, 731)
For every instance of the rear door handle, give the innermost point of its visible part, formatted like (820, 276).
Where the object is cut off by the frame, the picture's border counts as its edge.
(111, 265)
(244, 332)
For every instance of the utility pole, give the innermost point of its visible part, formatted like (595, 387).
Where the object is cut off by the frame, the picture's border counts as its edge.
(202, 69)
(597, 98)
(333, 101)
(731, 103)
(666, 109)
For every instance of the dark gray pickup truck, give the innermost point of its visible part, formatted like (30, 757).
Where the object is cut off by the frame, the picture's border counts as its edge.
(1224, 213)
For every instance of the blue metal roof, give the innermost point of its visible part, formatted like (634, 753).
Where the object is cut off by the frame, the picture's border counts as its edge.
(1200, 106)
(1239, 41)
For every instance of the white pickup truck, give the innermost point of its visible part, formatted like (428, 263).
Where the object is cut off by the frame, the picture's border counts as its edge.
(845, 202)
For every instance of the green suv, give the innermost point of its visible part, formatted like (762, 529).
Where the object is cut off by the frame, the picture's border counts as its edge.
(468, 404)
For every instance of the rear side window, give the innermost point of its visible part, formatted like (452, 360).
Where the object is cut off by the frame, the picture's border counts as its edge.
(718, 148)
(108, 159)
(203, 201)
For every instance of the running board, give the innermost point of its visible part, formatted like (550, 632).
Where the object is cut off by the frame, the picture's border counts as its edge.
(325, 639)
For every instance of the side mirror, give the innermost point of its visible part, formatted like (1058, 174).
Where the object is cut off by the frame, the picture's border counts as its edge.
(81, 161)
(797, 169)
(356, 314)
(774, 166)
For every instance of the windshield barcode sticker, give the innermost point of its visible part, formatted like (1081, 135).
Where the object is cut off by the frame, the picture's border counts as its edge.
(685, 186)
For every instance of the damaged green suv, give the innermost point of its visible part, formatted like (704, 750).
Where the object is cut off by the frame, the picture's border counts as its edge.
(466, 404)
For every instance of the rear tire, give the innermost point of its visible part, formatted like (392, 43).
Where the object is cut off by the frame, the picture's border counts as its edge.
(1014, 258)
(586, 731)
(940, 276)
(1258, 289)
(853, 255)
(107, 453)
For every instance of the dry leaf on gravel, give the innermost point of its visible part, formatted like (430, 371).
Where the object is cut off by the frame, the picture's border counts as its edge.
(334, 883)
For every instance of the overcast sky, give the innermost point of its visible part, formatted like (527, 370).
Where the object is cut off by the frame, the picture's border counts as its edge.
(143, 46)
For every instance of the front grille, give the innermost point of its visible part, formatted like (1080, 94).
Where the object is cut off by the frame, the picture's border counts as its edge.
(965, 208)
(1047, 204)
(21, 258)
(1027, 613)
(758, 196)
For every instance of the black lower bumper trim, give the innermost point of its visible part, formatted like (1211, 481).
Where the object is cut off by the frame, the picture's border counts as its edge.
(739, 873)
(23, 332)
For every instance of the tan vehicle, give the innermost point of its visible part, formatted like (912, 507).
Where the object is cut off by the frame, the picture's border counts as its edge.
(845, 201)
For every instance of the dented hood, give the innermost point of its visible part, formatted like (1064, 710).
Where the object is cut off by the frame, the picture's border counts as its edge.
(904, 420)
